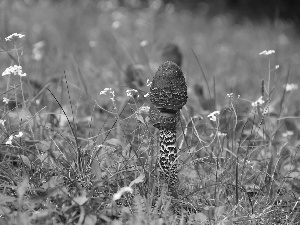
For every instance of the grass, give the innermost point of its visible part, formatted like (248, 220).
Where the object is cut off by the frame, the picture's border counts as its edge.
(80, 157)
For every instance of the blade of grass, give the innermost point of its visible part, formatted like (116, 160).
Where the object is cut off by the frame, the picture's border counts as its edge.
(203, 74)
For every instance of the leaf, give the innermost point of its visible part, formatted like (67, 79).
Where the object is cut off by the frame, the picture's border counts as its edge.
(116, 142)
(96, 170)
(80, 200)
(39, 214)
(219, 211)
(90, 219)
(200, 217)
(4, 210)
(5, 199)
(139, 179)
(140, 118)
(26, 161)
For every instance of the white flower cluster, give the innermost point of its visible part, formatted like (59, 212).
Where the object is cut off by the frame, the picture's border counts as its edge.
(5, 100)
(213, 116)
(11, 137)
(291, 87)
(108, 90)
(267, 52)
(144, 109)
(148, 83)
(230, 95)
(14, 35)
(130, 92)
(258, 102)
(16, 70)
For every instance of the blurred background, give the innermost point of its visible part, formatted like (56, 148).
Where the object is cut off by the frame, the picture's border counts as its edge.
(100, 38)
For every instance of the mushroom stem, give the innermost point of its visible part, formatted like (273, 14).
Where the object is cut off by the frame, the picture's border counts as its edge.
(168, 155)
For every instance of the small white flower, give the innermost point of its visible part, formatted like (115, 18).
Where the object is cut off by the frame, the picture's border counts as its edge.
(115, 25)
(110, 91)
(5, 100)
(9, 141)
(2, 122)
(105, 90)
(118, 195)
(291, 87)
(269, 52)
(20, 134)
(15, 70)
(146, 95)
(220, 134)
(13, 36)
(130, 92)
(276, 67)
(212, 116)
(230, 95)
(144, 109)
(258, 102)
(148, 83)
(143, 43)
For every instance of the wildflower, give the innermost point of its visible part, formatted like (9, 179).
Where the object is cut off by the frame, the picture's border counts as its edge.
(291, 87)
(115, 25)
(2, 122)
(258, 102)
(108, 90)
(144, 109)
(9, 141)
(146, 95)
(220, 134)
(13, 36)
(16, 70)
(148, 83)
(212, 116)
(130, 91)
(20, 134)
(143, 43)
(269, 52)
(5, 100)
(276, 67)
(230, 95)
(105, 90)
(118, 195)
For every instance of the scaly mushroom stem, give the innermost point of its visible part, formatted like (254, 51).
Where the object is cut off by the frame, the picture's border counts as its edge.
(168, 155)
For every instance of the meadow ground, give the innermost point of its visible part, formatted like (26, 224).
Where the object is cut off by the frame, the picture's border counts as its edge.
(241, 168)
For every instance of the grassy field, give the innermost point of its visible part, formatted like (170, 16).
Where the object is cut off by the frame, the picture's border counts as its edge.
(72, 155)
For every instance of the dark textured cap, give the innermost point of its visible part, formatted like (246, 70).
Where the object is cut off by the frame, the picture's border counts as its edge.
(168, 89)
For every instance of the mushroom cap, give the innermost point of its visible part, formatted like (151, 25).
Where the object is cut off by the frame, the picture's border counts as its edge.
(168, 89)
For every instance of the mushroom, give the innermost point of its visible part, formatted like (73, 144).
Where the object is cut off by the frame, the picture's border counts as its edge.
(168, 94)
